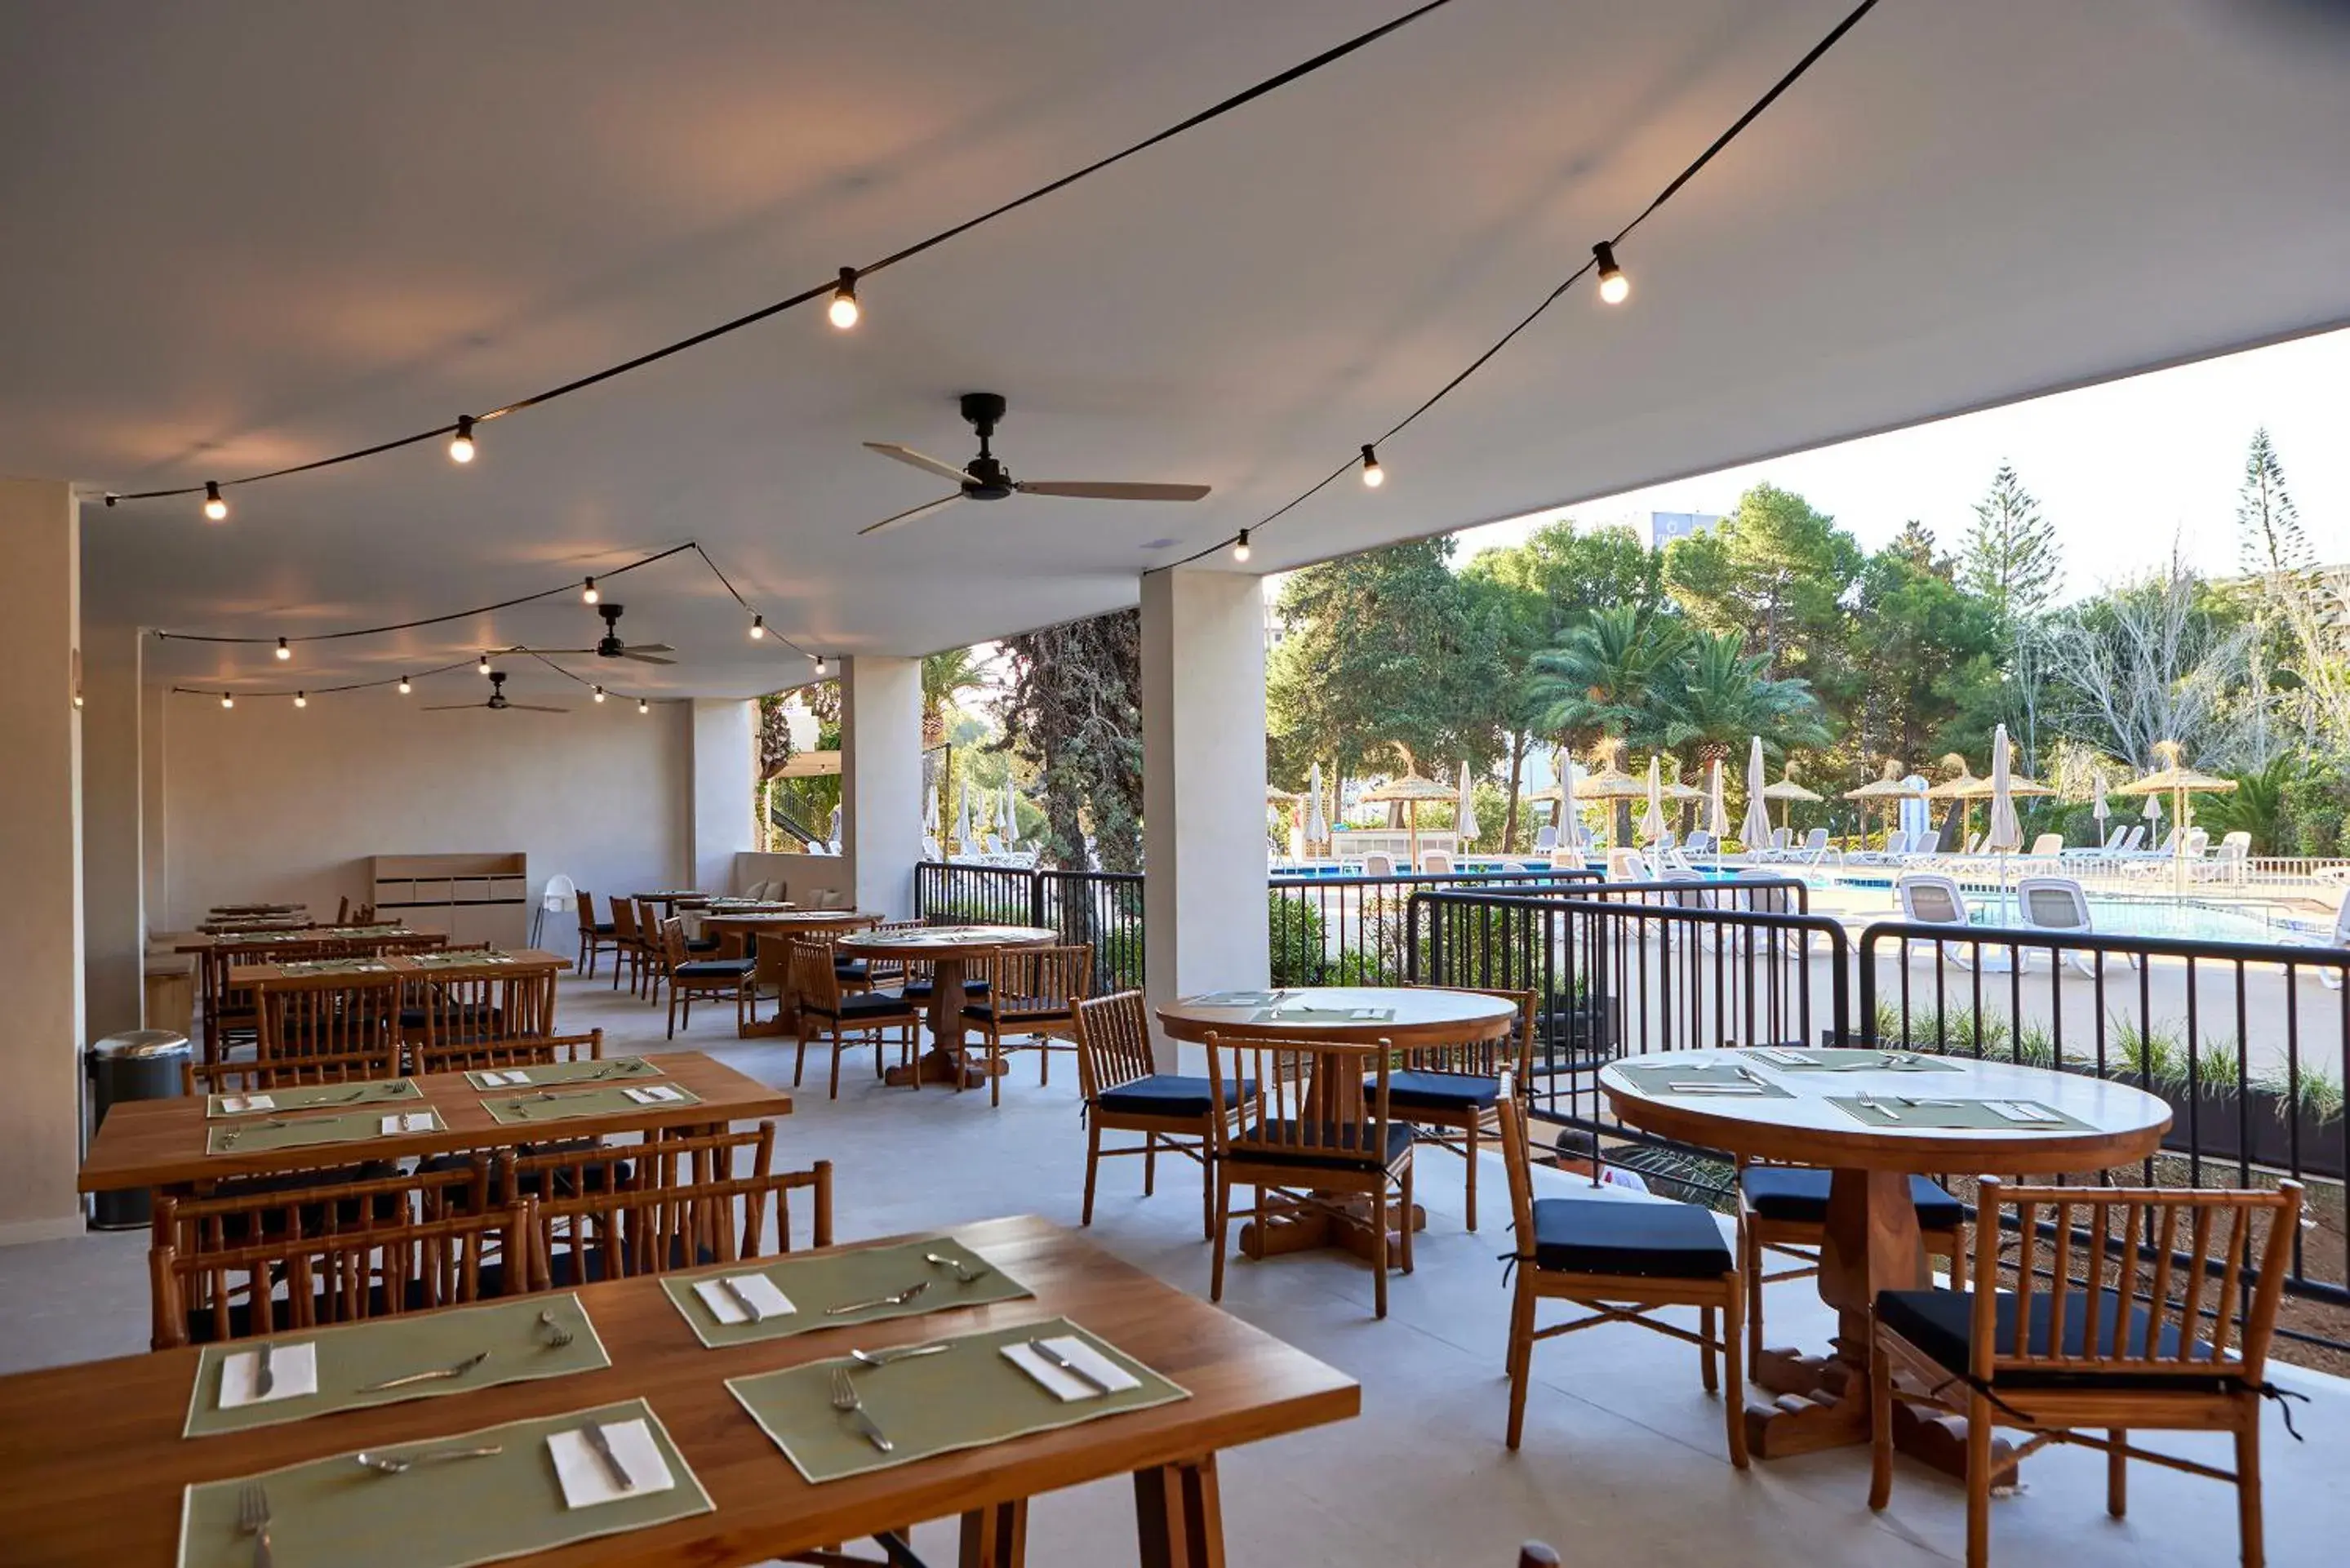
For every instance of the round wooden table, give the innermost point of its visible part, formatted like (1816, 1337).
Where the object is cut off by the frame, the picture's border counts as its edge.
(947, 949)
(751, 925)
(1873, 1241)
(1402, 1015)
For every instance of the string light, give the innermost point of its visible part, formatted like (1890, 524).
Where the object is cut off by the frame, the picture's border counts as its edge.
(1241, 546)
(301, 699)
(1373, 474)
(1614, 287)
(216, 508)
(227, 700)
(284, 652)
(404, 686)
(643, 706)
(820, 666)
(600, 695)
(843, 310)
(758, 627)
(587, 595)
(461, 445)
(485, 665)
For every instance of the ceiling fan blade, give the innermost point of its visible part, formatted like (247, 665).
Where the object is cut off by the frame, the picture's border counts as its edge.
(908, 516)
(532, 708)
(453, 707)
(644, 658)
(582, 652)
(1090, 489)
(907, 454)
(651, 648)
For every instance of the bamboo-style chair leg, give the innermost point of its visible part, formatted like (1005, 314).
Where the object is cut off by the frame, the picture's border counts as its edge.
(2249, 1527)
(1880, 1428)
(1706, 1371)
(839, 1049)
(1408, 1171)
(1093, 1168)
(1208, 1186)
(1222, 1237)
(1380, 1249)
(1979, 1435)
(1521, 1357)
(1733, 1355)
(2116, 1473)
(1150, 1162)
(1749, 1259)
(994, 1067)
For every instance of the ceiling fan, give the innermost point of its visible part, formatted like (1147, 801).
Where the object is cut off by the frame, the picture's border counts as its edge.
(986, 479)
(612, 646)
(498, 702)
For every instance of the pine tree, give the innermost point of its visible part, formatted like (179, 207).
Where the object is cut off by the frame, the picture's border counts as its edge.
(2011, 556)
(2269, 539)
(1914, 545)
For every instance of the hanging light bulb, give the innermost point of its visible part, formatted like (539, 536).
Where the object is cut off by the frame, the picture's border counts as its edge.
(461, 445)
(758, 627)
(587, 595)
(1614, 287)
(227, 700)
(485, 665)
(404, 686)
(284, 652)
(214, 507)
(843, 308)
(820, 666)
(301, 699)
(599, 693)
(643, 706)
(1373, 474)
(1241, 546)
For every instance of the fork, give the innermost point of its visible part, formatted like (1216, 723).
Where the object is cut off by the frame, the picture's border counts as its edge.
(963, 1272)
(236, 1133)
(252, 1519)
(900, 1299)
(1887, 1112)
(558, 1334)
(845, 1401)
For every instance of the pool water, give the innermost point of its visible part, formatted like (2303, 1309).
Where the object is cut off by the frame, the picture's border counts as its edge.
(2158, 918)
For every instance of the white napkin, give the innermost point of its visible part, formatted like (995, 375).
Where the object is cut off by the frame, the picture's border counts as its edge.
(408, 1122)
(1784, 1057)
(293, 1367)
(1712, 1088)
(658, 1095)
(584, 1481)
(504, 1079)
(237, 1104)
(758, 1289)
(1059, 1384)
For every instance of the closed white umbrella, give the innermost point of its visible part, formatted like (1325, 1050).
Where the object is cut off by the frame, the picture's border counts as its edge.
(1569, 829)
(1317, 830)
(930, 813)
(1011, 813)
(962, 821)
(2154, 808)
(1756, 830)
(1652, 821)
(1464, 814)
(2006, 834)
(2097, 805)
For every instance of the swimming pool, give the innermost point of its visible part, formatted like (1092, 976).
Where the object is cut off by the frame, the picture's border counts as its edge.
(2159, 917)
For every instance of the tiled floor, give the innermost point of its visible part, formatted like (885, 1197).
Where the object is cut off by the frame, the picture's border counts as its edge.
(1622, 1462)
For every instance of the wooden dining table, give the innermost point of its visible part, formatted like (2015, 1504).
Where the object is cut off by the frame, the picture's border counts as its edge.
(1821, 1401)
(779, 926)
(948, 950)
(160, 1143)
(94, 1462)
(211, 941)
(512, 961)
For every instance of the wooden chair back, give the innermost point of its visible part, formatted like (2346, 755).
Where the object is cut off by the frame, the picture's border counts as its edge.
(346, 1277)
(289, 1071)
(2166, 1252)
(1040, 979)
(463, 1010)
(329, 1014)
(813, 979)
(671, 952)
(587, 902)
(314, 1203)
(1513, 1052)
(1300, 1098)
(1113, 1042)
(624, 921)
(1517, 1165)
(589, 1224)
(490, 1055)
(343, 911)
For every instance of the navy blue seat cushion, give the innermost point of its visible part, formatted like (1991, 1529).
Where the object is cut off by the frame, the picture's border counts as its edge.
(1939, 1322)
(922, 987)
(1800, 1194)
(1170, 1094)
(871, 1005)
(852, 969)
(716, 969)
(1639, 1241)
(703, 945)
(1413, 1090)
(1017, 1010)
(1317, 1144)
(602, 929)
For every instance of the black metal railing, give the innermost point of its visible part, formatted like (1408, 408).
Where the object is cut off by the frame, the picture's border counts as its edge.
(1102, 908)
(1354, 930)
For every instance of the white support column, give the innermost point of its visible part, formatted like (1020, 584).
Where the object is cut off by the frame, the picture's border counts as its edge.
(1204, 845)
(114, 919)
(724, 741)
(881, 779)
(40, 921)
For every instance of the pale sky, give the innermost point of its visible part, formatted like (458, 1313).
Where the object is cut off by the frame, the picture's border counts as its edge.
(2122, 469)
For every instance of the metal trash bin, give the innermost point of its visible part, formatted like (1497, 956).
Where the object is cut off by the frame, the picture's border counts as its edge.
(136, 1064)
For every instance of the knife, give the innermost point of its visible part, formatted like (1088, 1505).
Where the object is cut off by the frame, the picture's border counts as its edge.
(750, 1308)
(264, 1377)
(1048, 1354)
(602, 1450)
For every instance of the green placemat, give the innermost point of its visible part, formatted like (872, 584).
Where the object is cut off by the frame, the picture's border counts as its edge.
(568, 1073)
(458, 960)
(249, 1137)
(818, 1281)
(351, 1355)
(1323, 1015)
(308, 1096)
(507, 1109)
(449, 1515)
(1929, 1113)
(968, 1397)
(1804, 1059)
(337, 966)
(1661, 1078)
(1233, 999)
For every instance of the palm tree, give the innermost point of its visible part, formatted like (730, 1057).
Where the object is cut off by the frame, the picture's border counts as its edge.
(1722, 696)
(1602, 677)
(946, 675)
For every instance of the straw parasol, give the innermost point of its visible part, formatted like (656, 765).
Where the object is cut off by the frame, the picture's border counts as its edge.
(1886, 791)
(2178, 781)
(1609, 784)
(1961, 786)
(1410, 789)
(1756, 830)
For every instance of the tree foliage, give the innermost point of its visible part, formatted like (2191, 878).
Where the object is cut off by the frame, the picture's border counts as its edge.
(1074, 712)
(2011, 556)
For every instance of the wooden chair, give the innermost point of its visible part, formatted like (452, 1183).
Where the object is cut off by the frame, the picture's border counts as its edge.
(2114, 1338)
(594, 936)
(343, 911)
(291, 1070)
(1124, 1092)
(345, 1277)
(652, 955)
(1784, 1209)
(1450, 1092)
(1312, 1131)
(825, 1005)
(866, 974)
(490, 1056)
(1624, 1259)
(628, 946)
(439, 1011)
(690, 976)
(329, 1014)
(1031, 993)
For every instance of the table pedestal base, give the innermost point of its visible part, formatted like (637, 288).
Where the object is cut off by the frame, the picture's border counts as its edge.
(1822, 1402)
(941, 1066)
(1342, 1220)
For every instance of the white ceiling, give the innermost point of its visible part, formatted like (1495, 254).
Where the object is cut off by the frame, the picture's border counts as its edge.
(244, 234)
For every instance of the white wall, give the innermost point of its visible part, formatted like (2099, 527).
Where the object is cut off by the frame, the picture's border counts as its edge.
(803, 876)
(267, 801)
(725, 767)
